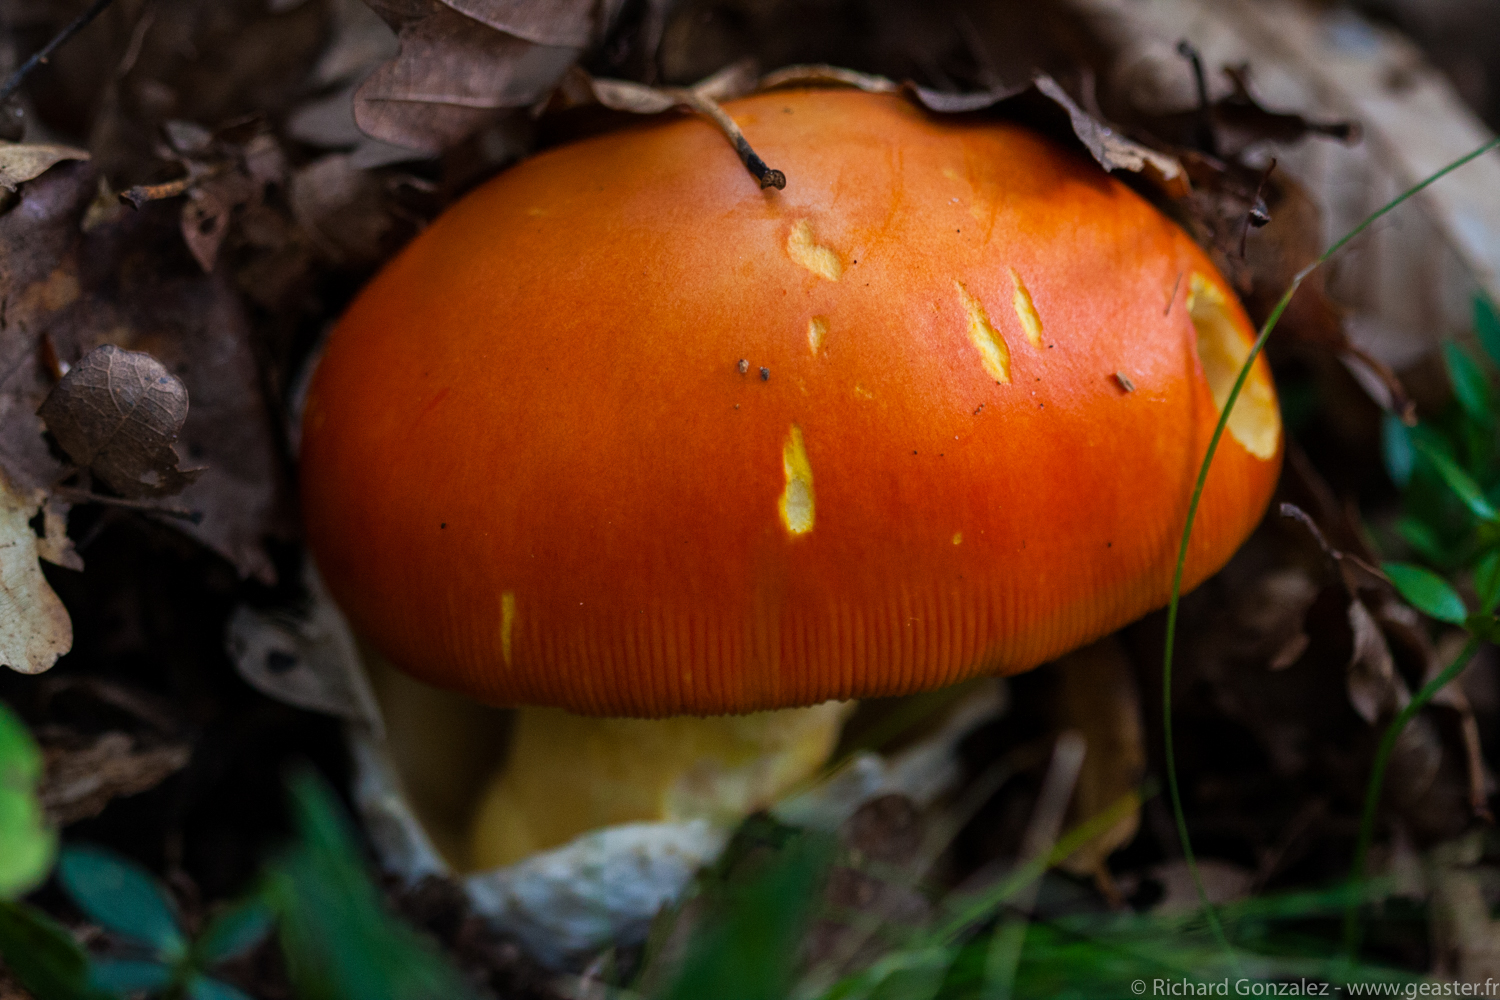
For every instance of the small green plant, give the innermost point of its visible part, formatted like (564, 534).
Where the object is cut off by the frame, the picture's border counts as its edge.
(339, 940)
(747, 947)
(41, 954)
(124, 899)
(27, 844)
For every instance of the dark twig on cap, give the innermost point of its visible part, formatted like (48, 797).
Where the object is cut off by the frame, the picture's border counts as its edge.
(765, 175)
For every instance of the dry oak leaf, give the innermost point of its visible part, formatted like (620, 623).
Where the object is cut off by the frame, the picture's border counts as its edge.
(88, 773)
(21, 162)
(34, 626)
(117, 413)
(458, 69)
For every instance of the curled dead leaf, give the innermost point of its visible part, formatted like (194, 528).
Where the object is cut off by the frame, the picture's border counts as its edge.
(34, 626)
(456, 71)
(21, 162)
(117, 413)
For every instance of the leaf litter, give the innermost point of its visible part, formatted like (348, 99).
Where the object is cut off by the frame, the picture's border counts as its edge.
(265, 193)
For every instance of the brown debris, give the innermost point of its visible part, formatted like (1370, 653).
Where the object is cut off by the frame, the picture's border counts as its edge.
(117, 414)
(456, 72)
(115, 284)
(83, 774)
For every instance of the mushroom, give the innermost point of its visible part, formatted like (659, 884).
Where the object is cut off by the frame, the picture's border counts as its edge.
(624, 435)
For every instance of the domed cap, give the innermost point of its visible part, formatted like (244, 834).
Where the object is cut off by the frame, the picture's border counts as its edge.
(625, 434)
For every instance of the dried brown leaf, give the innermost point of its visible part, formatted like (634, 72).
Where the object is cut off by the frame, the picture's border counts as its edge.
(34, 626)
(83, 775)
(21, 162)
(1097, 696)
(39, 275)
(342, 209)
(1375, 689)
(1111, 149)
(118, 413)
(569, 23)
(454, 74)
(205, 223)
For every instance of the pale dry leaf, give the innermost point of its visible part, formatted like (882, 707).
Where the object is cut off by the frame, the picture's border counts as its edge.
(737, 79)
(21, 162)
(635, 98)
(55, 546)
(83, 777)
(34, 626)
(454, 75)
(117, 413)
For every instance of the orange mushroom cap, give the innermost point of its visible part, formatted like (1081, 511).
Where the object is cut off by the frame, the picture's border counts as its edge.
(624, 434)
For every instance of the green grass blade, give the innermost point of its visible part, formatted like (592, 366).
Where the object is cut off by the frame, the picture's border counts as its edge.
(1460, 482)
(1377, 782)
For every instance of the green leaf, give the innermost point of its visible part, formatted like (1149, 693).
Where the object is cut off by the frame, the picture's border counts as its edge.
(27, 844)
(43, 955)
(1427, 592)
(121, 897)
(1486, 627)
(129, 975)
(1397, 449)
(233, 932)
(747, 948)
(1487, 580)
(205, 988)
(1424, 538)
(1487, 326)
(1460, 482)
(1470, 385)
(338, 940)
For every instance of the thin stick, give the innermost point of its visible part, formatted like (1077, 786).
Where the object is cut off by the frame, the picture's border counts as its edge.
(1213, 444)
(142, 193)
(704, 105)
(78, 24)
